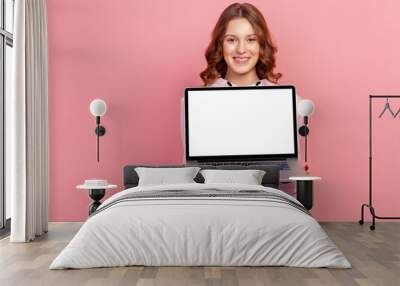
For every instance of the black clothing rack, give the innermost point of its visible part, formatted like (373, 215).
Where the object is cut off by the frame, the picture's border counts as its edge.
(370, 204)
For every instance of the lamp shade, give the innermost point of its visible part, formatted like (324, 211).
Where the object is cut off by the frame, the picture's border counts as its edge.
(306, 107)
(98, 107)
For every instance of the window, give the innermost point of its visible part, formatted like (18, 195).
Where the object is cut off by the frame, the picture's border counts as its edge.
(6, 62)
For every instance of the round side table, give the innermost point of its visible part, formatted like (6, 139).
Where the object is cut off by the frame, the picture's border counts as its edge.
(304, 190)
(96, 193)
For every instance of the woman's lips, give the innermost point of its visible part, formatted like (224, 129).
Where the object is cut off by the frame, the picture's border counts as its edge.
(241, 60)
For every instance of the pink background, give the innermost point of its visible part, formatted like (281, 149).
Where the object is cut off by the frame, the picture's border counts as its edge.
(139, 56)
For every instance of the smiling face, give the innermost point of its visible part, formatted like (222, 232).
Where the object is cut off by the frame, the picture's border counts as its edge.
(241, 48)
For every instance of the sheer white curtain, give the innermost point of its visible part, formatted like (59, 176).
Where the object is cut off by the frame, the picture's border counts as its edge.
(27, 123)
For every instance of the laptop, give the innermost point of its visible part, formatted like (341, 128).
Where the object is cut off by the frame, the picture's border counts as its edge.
(243, 126)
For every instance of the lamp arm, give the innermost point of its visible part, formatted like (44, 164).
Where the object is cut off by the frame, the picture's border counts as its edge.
(98, 136)
(98, 147)
(305, 147)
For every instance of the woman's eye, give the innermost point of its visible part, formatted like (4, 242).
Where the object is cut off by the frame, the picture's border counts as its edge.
(252, 40)
(230, 40)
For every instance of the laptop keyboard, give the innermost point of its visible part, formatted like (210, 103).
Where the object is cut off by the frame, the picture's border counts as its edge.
(283, 165)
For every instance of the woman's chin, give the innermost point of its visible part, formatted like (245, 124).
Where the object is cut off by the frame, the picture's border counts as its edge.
(241, 71)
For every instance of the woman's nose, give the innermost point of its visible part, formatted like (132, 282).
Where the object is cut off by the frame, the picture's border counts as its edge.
(241, 47)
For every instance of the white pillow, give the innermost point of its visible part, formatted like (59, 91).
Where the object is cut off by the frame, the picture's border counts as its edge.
(248, 177)
(163, 176)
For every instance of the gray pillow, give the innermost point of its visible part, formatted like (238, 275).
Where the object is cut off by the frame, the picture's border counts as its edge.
(164, 176)
(248, 177)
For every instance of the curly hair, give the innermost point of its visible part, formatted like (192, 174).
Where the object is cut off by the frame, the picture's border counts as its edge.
(216, 65)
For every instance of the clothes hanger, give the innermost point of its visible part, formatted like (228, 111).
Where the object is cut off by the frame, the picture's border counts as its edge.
(387, 107)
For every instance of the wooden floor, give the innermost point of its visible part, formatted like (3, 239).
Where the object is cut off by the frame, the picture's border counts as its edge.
(375, 257)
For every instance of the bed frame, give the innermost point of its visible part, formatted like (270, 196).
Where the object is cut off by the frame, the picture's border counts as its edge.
(270, 179)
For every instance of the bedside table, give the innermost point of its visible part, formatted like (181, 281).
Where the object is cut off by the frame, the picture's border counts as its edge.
(304, 190)
(96, 193)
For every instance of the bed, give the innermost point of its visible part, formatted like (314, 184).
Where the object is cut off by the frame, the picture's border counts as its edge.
(201, 224)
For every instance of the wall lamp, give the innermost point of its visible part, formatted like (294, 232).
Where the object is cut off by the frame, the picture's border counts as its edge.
(98, 108)
(305, 109)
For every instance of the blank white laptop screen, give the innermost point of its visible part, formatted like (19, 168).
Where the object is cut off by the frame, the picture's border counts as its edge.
(251, 122)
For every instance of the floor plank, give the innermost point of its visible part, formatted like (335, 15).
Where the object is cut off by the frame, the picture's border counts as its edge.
(374, 255)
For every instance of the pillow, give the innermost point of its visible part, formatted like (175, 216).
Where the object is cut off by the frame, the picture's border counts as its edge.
(248, 177)
(163, 176)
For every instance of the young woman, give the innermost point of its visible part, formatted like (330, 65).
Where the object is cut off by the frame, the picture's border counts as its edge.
(241, 52)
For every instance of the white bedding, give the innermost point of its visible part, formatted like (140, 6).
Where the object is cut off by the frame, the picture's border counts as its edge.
(200, 231)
